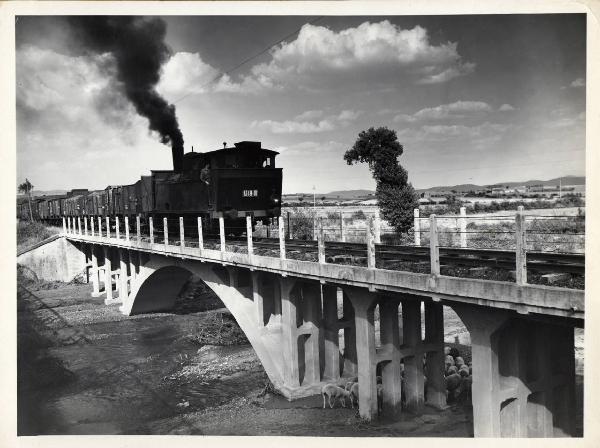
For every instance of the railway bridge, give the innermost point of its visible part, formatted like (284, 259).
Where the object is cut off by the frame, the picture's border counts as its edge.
(313, 322)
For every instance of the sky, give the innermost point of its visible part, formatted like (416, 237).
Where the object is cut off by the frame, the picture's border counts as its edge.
(473, 99)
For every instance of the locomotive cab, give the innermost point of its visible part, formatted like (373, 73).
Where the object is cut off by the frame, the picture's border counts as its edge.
(230, 182)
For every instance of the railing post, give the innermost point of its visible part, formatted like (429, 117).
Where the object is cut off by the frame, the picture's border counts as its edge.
(85, 226)
(108, 227)
(200, 236)
(249, 235)
(377, 228)
(166, 232)
(127, 228)
(222, 232)
(371, 243)
(321, 242)
(151, 226)
(64, 225)
(342, 236)
(92, 225)
(181, 232)
(521, 249)
(463, 227)
(138, 228)
(434, 249)
(281, 239)
(117, 228)
(99, 226)
(417, 227)
(79, 225)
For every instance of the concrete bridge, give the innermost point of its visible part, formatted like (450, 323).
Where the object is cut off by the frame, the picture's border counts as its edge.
(298, 314)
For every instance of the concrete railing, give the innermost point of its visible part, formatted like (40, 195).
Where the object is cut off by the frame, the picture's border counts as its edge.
(72, 226)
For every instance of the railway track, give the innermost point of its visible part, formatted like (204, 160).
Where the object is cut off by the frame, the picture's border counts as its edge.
(356, 253)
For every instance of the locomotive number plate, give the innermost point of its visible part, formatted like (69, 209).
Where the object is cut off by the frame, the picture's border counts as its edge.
(250, 193)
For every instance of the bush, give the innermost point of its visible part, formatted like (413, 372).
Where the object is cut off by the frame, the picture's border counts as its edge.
(359, 215)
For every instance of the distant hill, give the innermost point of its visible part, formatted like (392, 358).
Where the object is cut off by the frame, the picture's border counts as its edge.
(566, 180)
(350, 194)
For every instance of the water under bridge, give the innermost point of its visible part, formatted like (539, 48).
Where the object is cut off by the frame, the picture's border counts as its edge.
(313, 322)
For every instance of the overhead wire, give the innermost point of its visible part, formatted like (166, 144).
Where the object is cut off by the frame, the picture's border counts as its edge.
(245, 61)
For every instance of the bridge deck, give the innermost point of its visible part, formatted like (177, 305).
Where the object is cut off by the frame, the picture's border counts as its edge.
(524, 298)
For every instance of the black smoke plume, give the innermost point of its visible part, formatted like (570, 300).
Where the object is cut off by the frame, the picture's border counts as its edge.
(138, 47)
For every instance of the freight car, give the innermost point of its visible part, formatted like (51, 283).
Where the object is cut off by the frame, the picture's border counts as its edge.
(232, 183)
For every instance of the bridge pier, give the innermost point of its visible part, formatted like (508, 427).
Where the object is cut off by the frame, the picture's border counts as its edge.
(331, 329)
(364, 302)
(108, 277)
(435, 390)
(95, 271)
(390, 356)
(523, 374)
(123, 278)
(412, 353)
(301, 334)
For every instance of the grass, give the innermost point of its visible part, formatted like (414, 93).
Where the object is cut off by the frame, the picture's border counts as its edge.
(31, 233)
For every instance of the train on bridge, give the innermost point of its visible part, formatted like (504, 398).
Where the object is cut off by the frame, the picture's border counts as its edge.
(232, 183)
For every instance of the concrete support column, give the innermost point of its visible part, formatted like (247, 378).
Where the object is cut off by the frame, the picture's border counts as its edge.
(79, 225)
(64, 222)
(331, 336)
(312, 323)
(257, 298)
(291, 375)
(483, 325)
(390, 348)
(99, 226)
(107, 276)
(123, 278)
(364, 303)
(350, 360)
(132, 268)
(95, 272)
(434, 339)
(413, 364)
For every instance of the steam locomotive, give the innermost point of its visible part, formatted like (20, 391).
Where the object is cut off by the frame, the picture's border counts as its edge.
(232, 183)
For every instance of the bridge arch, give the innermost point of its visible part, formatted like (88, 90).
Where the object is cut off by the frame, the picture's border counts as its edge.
(160, 280)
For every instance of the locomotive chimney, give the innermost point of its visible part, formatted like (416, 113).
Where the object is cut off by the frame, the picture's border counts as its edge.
(177, 152)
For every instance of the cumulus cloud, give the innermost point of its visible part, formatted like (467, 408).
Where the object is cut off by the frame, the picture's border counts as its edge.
(312, 148)
(380, 53)
(579, 82)
(458, 109)
(477, 136)
(61, 93)
(371, 52)
(293, 127)
(302, 124)
(506, 108)
(309, 115)
(186, 73)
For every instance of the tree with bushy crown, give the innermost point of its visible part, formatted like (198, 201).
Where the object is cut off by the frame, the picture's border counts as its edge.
(395, 195)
